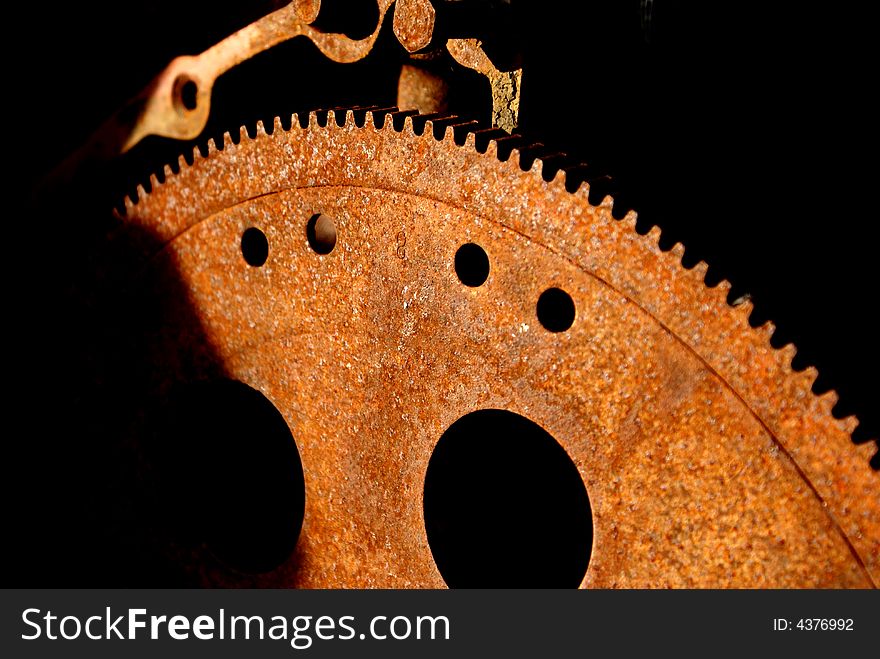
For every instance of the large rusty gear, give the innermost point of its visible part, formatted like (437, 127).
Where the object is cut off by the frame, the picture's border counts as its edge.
(707, 459)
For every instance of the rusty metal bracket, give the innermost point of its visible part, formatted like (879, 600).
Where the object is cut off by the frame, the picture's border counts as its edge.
(505, 84)
(417, 27)
(177, 103)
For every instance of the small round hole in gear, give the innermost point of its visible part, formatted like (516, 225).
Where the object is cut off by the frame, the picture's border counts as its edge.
(254, 247)
(556, 310)
(472, 265)
(321, 232)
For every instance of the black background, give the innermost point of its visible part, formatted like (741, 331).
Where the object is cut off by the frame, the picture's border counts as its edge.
(742, 129)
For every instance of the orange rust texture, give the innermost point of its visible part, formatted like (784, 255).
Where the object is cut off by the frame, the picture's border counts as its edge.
(707, 460)
(413, 23)
(419, 89)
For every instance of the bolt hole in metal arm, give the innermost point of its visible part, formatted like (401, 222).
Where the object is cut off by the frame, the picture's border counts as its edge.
(162, 110)
(177, 103)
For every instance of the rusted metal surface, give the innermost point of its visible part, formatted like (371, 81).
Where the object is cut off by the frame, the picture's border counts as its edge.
(422, 90)
(161, 113)
(505, 84)
(161, 108)
(307, 10)
(707, 459)
(413, 24)
(416, 27)
(177, 103)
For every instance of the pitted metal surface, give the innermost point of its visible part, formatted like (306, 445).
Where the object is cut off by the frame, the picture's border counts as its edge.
(707, 459)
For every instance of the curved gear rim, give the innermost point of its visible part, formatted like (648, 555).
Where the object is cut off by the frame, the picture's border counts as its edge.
(831, 464)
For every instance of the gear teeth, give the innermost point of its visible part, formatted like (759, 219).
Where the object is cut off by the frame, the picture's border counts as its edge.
(631, 218)
(551, 169)
(577, 176)
(462, 132)
(598, 186)
(548, 166)
(398, 121)
(358, 116)
(787, 353)
(492, 150)
(351, 116)
(810, 376)
(434, 124)
(484, 139)
(828, 401)
(579, 179)
(452, 126)
(523, 157)
(441, 128)
(807, 376)
(710, 277)
(745, 308)
(505, 148)
(621, 206)
(363, 116)
(849, 423)
(572, 179)
(701, 269)
(376, 116)
(724, 287)
(321, 118)
(607, 203)
(767, 327)
(401, 120)
(337, 117)
(526, 155)
(583, 191)
(529, 154)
